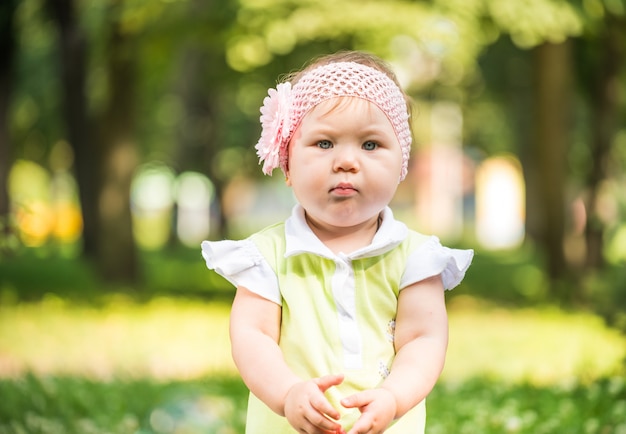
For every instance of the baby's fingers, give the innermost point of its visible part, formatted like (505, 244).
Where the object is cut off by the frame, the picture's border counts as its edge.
(364, 425)
(327, 381)
(377, 406)
(319, 402)
(358, 400)
(319, 422)
(325, 410)
(308, 410)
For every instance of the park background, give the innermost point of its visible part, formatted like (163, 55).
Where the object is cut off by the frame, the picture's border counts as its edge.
(126, 137)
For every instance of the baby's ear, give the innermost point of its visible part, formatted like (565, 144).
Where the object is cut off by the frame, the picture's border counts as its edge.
(287, 179)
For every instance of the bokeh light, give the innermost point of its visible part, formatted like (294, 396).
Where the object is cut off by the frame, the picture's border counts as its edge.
(194, 195)
(152, 199)
(500, 198)
(45, 206)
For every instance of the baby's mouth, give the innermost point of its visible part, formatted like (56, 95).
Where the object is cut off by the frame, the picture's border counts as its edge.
(343, 188)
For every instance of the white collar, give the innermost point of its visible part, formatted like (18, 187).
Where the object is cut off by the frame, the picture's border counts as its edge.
(301, 239)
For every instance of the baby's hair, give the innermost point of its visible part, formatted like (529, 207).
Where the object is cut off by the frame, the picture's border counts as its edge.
(344, 56)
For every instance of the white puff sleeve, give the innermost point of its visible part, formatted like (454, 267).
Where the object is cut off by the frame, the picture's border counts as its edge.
(431, 259)
(241, 263)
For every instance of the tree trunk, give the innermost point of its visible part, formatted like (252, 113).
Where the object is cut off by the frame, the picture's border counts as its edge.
(7, 51)
(552, 66)
(196, 134)
(105, 155)
(78, 125)
(117, 256)
(197, 139)
(604, 103)
(201, 79)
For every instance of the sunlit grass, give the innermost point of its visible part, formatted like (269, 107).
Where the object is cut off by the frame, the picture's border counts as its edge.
(173, 338)
(164, 366)
(163, 338)
(540, 346)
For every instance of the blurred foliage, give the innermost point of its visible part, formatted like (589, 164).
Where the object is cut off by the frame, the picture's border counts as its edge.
(441, 43)
(511, 278)
(607, 293)
(159, 366)
(202, 67)
(79, 406)
(508, 278)
(71, 405)
(483, 406)
(450, 31)
(29, 274)
(130, 355)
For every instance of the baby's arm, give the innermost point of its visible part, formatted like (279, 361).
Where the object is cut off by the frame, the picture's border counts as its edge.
(421, 340)
(254, 333)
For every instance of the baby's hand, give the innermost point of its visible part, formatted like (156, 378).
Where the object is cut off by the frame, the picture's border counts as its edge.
(378, 408)
(308, 410)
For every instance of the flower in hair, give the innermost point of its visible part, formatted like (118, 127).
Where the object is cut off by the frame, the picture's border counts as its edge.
(276, 123)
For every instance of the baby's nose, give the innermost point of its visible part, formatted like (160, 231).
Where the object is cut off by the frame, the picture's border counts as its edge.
(346, 159)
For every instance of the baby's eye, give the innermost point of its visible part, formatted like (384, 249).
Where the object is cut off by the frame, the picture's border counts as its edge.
(324, 144)
(369, 145)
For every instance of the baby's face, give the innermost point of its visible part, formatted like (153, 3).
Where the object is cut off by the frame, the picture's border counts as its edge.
(344, 162)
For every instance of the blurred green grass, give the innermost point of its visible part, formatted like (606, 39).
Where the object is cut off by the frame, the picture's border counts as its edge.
(75, 405)
(31, 274)
(181, 338)
(80, 356)
(511, 278)
(163, 366)
(160, 338)
(70, 405)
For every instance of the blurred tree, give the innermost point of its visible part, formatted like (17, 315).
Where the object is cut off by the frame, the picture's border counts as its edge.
(181, 81)
(561, 47)
(118, 156)
(543, 28)
(104, 145)
(601, 64)
(590, 60)
(204, 85)
(7, 50)
(72, 45)
(396, 30)
(552, 97)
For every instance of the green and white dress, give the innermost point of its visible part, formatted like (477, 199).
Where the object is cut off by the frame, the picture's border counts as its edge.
(338, 310)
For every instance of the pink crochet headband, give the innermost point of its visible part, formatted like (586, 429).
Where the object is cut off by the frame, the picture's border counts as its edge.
(285, 107)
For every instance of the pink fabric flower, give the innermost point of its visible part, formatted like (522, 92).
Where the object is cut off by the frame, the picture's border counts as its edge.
(276, 124)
